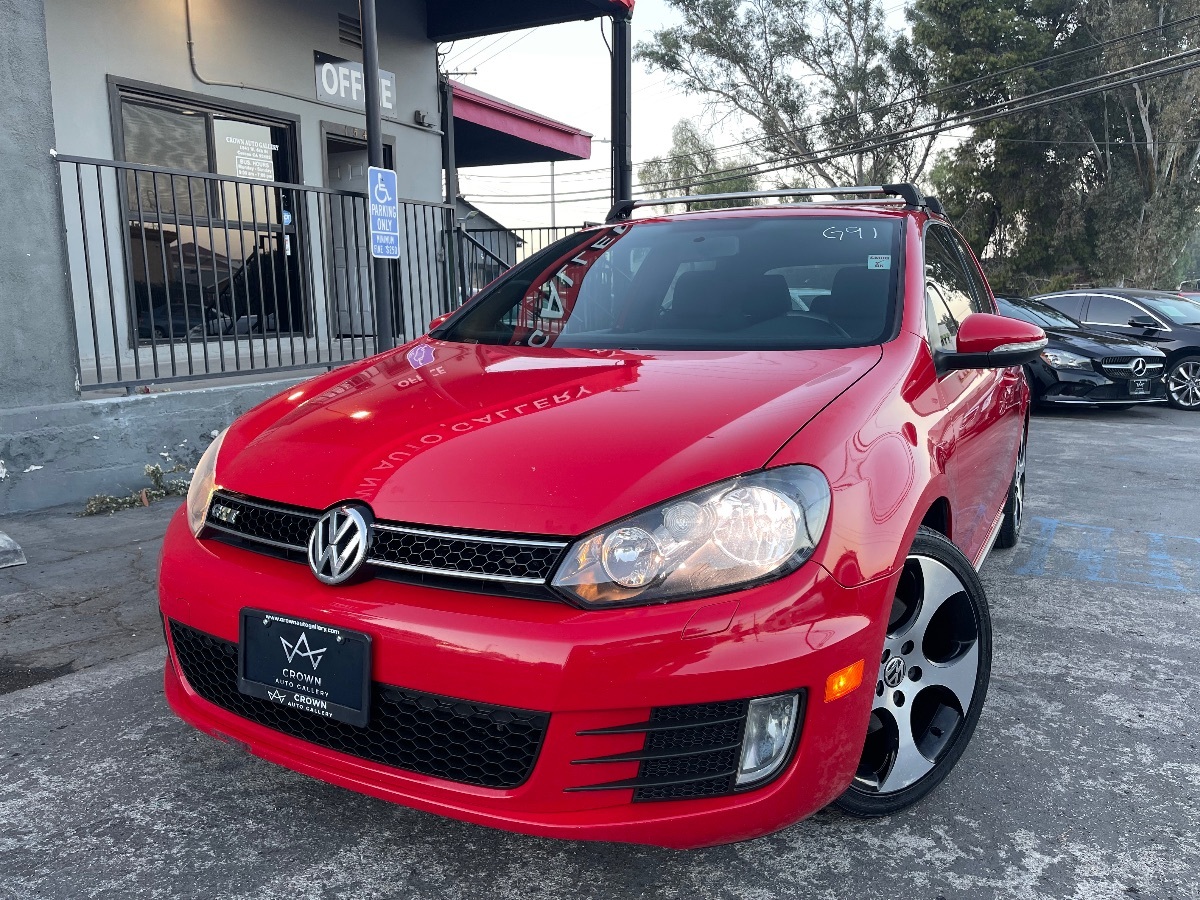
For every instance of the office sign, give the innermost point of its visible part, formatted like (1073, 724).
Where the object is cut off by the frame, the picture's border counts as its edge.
(340, 81)
(385, 213)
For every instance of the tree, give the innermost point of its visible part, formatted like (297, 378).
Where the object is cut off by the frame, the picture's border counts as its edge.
(1097, 189)
(690, 169)
(806, 75)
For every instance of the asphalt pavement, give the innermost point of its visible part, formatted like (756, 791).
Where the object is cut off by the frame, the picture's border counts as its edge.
(1082, 781)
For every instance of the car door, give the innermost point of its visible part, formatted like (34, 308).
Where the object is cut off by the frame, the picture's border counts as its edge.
(984, 417)
(1111, 314)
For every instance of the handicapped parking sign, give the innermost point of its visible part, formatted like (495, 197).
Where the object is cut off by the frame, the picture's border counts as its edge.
(385, 213)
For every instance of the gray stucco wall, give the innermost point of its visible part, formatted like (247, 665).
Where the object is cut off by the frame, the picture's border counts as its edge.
(267, 43)
(68, 452)
(37, 330)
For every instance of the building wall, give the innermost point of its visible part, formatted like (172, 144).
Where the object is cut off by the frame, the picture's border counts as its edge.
(37, 364)
(265, 43)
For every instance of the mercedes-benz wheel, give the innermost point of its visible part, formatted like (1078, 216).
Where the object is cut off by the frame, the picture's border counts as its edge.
(1183, 383)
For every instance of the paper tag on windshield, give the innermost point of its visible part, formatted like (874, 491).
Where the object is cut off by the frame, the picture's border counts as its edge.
(879, 262)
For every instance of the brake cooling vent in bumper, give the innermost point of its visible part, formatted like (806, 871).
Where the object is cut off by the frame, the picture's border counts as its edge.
(690, 751)
(471, 743)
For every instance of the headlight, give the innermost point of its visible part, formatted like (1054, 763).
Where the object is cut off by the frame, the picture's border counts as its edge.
(731, 534)
(1061, 359)
(204, 483)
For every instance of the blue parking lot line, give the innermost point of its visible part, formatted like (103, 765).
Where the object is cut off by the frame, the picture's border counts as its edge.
(1090, 553)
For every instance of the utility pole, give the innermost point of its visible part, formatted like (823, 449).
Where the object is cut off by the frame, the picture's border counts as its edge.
(622, 104)
(385, 331)
(553, 222)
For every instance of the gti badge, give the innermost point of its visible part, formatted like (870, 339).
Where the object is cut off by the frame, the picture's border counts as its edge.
(229, 516)
(1138, 367)
(338, 544)
(301, 648)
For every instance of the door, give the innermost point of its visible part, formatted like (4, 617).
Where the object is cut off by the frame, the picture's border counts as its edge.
(1111, 314)
(350, 308)
(984, 421)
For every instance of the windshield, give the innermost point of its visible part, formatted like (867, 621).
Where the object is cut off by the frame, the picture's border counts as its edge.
(1180, 311)
(766, 282)
(1036, 313)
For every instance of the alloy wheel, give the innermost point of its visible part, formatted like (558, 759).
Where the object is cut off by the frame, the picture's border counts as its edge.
(926, 681)
(1184, 384)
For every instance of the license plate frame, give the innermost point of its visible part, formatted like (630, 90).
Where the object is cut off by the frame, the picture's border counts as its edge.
(321, 669)
(1139, 387)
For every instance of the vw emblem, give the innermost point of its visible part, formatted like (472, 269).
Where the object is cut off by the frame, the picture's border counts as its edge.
(338, 544)
(893, 672)
(1138, 367)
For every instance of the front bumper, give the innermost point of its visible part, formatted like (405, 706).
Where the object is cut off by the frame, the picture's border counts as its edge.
(589, 670)
(1081, 386)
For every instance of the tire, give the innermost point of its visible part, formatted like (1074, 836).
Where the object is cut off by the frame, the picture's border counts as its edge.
(1014, 503)
(1183, 384)
(940, 630)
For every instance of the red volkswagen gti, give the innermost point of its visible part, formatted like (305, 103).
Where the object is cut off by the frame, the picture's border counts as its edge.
(668, 536)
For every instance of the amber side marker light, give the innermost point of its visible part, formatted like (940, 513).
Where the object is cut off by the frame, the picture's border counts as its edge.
(843, 681)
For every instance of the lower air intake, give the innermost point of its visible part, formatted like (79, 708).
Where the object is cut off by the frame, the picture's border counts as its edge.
(471, 743)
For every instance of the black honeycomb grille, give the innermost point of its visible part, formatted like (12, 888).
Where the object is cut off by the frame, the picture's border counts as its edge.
(279, 525)
(460, 741)
(465, 556)
(415, 552)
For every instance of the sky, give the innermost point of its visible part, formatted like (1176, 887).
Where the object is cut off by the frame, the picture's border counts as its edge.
(563, 71)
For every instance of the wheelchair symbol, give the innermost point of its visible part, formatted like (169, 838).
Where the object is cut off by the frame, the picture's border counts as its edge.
(381, 191)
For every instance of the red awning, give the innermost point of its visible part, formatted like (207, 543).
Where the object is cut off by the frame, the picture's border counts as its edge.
(455, 20)
(489, 132)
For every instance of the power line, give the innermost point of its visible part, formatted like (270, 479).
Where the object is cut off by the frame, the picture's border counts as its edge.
(506, 49)
(1036, 64)
(1023, 104)
(945, 124)
(974, 118)
(462, 61)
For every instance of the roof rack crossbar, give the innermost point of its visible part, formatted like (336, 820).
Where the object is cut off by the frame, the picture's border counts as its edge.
(909, 193)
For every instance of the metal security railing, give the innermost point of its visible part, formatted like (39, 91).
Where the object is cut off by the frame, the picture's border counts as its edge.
(485, 253)
(184, 276)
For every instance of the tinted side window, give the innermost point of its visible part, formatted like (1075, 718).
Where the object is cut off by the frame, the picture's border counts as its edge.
(1110, 311)
(1071, 304)
(981, 301)
(949, 297)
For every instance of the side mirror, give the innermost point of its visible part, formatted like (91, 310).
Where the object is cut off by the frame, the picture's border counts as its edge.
(437, 321)
(1147, 322)
(985, 341)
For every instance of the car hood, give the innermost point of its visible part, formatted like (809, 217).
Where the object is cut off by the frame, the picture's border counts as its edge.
(538, 442)
(1097, 346)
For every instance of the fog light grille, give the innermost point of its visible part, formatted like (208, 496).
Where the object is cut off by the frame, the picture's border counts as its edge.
(690, 751)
